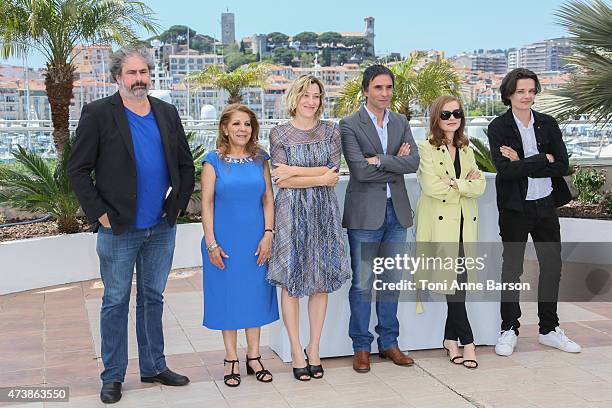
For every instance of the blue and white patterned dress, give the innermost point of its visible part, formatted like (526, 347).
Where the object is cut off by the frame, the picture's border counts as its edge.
(308, 254)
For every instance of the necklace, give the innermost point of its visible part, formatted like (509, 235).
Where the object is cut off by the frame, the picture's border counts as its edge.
(241, 160)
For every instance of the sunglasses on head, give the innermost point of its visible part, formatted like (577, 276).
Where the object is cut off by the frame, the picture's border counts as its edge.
(457, 114)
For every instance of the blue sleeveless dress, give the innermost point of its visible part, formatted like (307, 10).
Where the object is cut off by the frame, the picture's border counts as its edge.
(239, 296)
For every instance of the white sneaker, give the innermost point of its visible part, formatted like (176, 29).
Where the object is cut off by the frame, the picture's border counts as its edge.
(506, 343)
(558, 339)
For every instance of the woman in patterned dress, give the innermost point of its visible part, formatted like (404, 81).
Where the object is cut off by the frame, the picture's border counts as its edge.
(308, 253)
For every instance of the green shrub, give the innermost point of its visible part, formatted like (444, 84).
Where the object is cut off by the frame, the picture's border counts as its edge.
(588, 182)
(32, 184)
(607, 201)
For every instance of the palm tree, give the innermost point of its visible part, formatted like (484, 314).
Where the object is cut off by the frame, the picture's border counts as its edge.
(421, 86)
(589, 90)
(254, 74)
(54, 28)
(40, 188)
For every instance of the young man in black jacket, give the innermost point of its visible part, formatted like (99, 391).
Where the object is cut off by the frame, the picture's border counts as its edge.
(144, 177)
(531, 160)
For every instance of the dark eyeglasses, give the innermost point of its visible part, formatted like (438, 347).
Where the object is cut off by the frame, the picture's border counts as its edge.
(457, 114)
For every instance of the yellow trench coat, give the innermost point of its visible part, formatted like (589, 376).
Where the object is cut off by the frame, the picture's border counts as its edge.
(439, 211)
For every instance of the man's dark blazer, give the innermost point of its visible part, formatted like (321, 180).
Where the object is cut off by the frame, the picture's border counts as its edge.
(104, 145)
(511, 180)
(365, 202)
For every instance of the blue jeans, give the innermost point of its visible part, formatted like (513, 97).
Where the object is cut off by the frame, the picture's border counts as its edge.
(151, 251)
(360, 294)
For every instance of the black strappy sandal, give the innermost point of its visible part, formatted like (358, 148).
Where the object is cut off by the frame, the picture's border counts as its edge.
(470, 361)
(232, 376)
(261, 374)
(454, 359)
(471, 367)
(316, 371)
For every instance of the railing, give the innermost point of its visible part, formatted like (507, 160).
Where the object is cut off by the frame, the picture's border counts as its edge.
(585, 142)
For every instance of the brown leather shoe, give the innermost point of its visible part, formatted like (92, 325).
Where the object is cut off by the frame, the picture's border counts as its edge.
(396, 356)
(361, 361)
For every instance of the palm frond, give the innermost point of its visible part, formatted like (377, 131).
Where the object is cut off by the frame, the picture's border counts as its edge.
(351, 97)
(482, 154)
(39, 188)
(590, 23)
(589, 90)
(251, 75)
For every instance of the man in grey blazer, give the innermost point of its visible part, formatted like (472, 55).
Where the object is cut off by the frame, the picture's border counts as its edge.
(379, 149)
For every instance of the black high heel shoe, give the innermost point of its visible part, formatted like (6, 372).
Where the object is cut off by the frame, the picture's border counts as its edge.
(300, 372)
(233, 376)
(261, 374)
(316, 371)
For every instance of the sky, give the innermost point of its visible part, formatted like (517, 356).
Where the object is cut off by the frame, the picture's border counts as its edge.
(400, 26)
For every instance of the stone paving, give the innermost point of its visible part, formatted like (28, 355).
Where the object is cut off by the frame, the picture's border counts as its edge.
(50, 337)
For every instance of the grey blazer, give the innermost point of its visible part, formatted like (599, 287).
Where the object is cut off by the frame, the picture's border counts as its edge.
(366, 193)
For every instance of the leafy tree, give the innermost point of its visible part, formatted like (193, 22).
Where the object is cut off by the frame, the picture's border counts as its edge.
(54, 28)
(277, 38)
(490, 108)
(306, 59)
(326, 57)
(254, 74)
(283, 55)
(235, 60)
(202, 43)
(331, 38)
(306, 37)
(177, 34)
(359, 45)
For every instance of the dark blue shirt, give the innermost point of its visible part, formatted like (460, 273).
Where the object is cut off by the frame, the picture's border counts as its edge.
(152, 178)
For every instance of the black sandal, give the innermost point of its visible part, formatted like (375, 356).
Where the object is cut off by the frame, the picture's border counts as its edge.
(316, 371)
(233, 376)
(470, 361)
(454, 359)
(298, 373)
(261, 374)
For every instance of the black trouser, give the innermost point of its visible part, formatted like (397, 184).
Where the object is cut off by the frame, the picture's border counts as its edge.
(457, 323)
(539, 219)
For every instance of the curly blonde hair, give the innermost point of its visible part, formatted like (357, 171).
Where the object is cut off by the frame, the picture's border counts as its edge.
(223, 144)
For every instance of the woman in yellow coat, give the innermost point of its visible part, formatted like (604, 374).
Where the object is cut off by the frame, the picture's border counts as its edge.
(447, 213)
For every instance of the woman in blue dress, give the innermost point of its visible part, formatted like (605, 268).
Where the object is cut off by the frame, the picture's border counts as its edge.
(238, 222)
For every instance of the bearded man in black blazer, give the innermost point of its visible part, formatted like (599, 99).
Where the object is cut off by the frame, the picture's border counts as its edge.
(144, 176)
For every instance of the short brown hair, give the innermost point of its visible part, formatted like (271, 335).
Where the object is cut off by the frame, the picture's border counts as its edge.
(436, 134)
(223, 144)
(508, 84)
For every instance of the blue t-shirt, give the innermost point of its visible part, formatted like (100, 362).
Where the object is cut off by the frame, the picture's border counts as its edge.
(152, 178)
